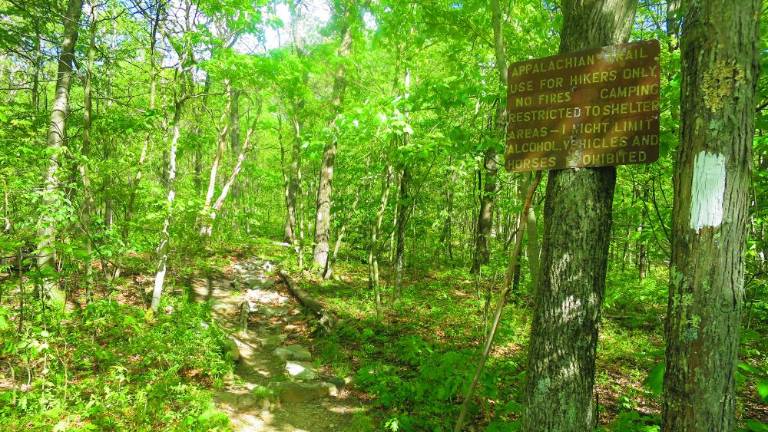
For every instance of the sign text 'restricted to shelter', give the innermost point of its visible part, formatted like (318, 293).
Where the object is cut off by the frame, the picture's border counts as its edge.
(590, 108)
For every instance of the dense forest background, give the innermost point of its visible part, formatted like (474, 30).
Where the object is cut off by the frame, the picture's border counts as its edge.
(358, 146)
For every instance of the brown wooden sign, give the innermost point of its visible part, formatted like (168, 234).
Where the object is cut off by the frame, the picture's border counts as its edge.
(590, 108)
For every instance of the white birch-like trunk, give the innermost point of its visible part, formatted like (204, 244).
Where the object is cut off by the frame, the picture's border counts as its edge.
(221, 147)
(165, 236)
(51, 202)
(207, 227)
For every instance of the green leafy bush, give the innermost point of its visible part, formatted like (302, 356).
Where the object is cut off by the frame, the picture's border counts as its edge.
(114, 367)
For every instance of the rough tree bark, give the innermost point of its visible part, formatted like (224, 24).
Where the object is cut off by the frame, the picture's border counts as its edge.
(51, 202)
(719, 49)
(577, 226)
(325, 184)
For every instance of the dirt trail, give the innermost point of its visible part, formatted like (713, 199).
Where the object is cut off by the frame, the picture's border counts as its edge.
(276, 386)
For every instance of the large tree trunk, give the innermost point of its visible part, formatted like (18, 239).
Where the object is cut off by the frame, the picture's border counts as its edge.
(51, 202)
(577, 226)
(325, 185)
(719, 72)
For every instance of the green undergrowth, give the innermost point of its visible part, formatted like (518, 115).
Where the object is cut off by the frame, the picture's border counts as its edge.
(113, 367)
(416, 360)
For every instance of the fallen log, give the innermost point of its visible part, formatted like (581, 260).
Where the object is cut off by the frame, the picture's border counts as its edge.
(327, 319)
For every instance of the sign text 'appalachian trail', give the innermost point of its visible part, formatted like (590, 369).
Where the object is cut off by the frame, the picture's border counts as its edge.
(590, 108)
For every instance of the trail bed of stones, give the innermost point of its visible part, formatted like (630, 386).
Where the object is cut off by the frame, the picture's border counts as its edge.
(277, 386)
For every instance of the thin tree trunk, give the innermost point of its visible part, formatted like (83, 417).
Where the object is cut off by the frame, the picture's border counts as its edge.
(509, 285)
(207, 228)
(220, 148)
(400, 226)
(490, 165)
(395, 215)
(294, 231)
(38, 66)
(145, 147)
(293, 225)
(325, 184)
(51, 202)
(7, 225)
(642, 254)
(719, 51)
(197, 179)
(373, 248)
(88, 202)
(485, 215)
(532, 247)
(673, 23)
(234, 131)
(340, 236)
(577, 226)
(165, 234)
(446, 237)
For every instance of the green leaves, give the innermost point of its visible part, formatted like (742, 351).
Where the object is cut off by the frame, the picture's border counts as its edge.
(5, 324)
(762, 389)
(655, 380)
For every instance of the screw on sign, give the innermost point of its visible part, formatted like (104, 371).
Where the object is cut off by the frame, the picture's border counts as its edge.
(591, 108)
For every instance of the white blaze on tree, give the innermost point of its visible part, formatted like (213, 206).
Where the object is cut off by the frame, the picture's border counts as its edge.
(707, 190)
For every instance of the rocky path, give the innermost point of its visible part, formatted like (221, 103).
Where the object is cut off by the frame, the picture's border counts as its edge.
(277, 386)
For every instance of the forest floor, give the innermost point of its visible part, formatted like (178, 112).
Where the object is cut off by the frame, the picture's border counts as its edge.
(112, 365)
